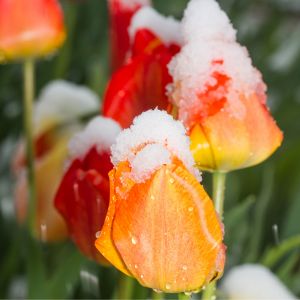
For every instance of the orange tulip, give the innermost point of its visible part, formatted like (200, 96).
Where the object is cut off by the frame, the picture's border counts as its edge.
(161, 226)
(30, 28)
(57, 109)
(219, 95)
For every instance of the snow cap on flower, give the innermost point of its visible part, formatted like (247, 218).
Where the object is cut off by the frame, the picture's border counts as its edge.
(151, 141)
(253, 281)
(100, 133)
(204, 19)
(167, 29)
(212, 48)
(65, 101)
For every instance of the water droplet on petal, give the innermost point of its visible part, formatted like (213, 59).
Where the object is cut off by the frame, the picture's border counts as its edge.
(168, 286)
(171, 180)
(188, 293)
(184, 267)
(157, 291)
(142, 276)
(152, 197)
(98, 234)
(190, 209)
(135, 266)
(133, 240)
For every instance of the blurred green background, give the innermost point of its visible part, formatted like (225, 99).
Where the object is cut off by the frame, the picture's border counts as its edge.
(262, 211)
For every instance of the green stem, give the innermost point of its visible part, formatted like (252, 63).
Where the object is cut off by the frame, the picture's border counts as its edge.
(28, 73)
(126, 287)
(157, 296)
(219, 179)
(183, 296)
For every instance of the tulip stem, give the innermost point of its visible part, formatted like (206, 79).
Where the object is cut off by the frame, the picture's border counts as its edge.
(126, 287)
(219, 180)
(28, 73)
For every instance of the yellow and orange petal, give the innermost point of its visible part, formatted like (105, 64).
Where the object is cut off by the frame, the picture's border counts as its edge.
(224, 142)
(49, 226)
(31, 28)
(164, 231)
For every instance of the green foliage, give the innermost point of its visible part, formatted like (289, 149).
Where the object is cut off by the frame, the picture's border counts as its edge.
(256, 198)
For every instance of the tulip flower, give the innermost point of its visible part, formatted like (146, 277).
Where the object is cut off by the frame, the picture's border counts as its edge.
(30, 28)
(267, 286)
(141, 83)
(83, 194)
(121, 12)
(161, 226)
(219, 96)
(57, 109)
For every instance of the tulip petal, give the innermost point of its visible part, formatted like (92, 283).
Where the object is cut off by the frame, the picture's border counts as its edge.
(30, 28)
(237, 141)
(104, 242)
(167, 231)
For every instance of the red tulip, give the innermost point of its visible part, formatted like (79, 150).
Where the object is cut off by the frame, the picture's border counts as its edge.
(30, 28)
(121, 12)
(83, 195)
(141, 83)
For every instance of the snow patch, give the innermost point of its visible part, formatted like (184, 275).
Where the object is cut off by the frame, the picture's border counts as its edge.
(100, 132)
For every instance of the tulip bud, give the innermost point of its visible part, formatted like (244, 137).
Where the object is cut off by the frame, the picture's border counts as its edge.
(161, 226)
(220, 97)
(83, 195)
(141, 83)
(30, 28)
(55, 117)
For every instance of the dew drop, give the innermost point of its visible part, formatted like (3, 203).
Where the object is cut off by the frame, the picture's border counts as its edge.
(171, 180)
(190, 209)
(168, 286)
(157, 291)
(142, 276)
(188, 293)
(184, 267)
(152, 197)
(98, 234)
(133, 240)
(135, 266)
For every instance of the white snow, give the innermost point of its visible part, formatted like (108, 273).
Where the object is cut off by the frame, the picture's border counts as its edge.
(130, 4)
(204, 19)
(167, 138)
(167, 29)
(211, 48)
(100, 132)
(142, 166)
(64, 101)
(253, 281)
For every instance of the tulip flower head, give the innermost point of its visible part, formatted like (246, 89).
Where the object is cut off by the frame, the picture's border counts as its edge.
(57, 109)
(141, 83)
(161, 226)
(121, 12)
(83, 195)
(30, 28)
(240, 280)
(220, 96)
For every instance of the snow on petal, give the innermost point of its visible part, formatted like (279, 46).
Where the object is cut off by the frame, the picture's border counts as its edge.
(152, 127)
(167, 29)
(100, 132)
(65, 101)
